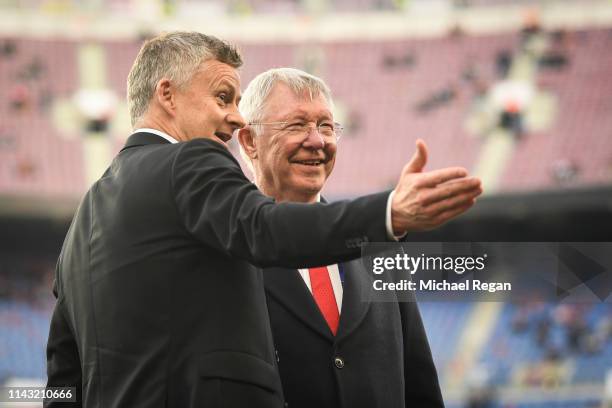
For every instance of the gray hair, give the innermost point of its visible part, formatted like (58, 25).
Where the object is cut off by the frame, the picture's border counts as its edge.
(177, 56)
(253, 103)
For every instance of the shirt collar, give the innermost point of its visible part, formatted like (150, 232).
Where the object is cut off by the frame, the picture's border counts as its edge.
(158, 133)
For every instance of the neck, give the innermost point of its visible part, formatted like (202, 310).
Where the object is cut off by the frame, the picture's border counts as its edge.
(169, 128)
(288, 196)
(295, 197)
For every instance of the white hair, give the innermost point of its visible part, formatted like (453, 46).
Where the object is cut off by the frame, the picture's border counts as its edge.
(253, 102)
(254, 98)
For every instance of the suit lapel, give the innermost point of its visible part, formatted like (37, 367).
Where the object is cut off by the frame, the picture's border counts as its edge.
(289, 289)
(356, 298)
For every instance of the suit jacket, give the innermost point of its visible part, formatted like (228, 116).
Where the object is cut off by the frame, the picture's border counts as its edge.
(158, 304)
(380, 356)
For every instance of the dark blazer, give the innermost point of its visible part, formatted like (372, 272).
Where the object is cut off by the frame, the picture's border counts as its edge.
(158, 304)
(380, 356)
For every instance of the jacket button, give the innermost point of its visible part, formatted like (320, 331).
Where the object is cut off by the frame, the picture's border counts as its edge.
(277, 358)
(339, 362)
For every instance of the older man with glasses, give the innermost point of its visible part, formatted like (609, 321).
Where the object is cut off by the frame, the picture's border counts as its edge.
(335, 348)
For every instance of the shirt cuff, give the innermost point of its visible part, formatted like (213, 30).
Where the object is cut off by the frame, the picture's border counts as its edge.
(390, 235)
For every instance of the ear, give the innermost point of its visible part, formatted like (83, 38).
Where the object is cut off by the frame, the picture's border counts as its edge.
(165, 96)
(248, 142)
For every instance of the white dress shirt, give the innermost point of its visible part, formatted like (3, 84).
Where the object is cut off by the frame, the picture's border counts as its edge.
(334, 271)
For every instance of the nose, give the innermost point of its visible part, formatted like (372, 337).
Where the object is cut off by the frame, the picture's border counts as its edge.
(314, 140)
(236, 120)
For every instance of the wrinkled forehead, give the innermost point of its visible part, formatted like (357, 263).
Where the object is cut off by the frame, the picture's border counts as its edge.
(216, 73)
(307, 113)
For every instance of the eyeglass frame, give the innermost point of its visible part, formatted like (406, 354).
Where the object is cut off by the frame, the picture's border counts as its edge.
(338, 128)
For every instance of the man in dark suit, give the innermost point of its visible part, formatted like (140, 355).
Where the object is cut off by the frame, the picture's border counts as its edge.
(158, 304)
(336, 346)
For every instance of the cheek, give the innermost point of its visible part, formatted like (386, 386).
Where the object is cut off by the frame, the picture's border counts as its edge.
(274, 164)
(283, 153)
(330, 164)
(208, 112)
(192, 117)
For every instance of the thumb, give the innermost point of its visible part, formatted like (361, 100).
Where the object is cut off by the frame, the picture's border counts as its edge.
(419, 159)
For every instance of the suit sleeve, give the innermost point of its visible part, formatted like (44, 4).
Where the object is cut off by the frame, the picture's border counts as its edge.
(421, 378)
(224, 210)
(63, 363)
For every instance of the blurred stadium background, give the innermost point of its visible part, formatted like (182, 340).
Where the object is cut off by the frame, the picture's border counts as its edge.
(520, 92)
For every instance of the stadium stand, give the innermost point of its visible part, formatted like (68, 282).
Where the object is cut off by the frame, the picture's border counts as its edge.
(406, 89)
(388, 91)
(25, 311)
(22, 339)
(545, 345)
(572, 403)
(36, 157)
(580, 121)
(386, 104)
(444, 321)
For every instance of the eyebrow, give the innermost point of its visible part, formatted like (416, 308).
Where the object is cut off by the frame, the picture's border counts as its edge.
(293, 116)
(301, 115)
(226, 84)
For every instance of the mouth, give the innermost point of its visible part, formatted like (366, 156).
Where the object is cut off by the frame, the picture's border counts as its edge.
(312, 162)
(223, 136)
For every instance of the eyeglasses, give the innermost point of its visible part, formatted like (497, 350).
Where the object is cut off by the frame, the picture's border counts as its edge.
(330, 132)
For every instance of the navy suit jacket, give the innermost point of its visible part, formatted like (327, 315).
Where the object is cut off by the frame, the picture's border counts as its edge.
(380, 356)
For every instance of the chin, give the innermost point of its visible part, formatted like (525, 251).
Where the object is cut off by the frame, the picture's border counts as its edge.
(309, 187)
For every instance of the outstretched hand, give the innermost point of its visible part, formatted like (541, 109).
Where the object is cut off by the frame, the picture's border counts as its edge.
(425, 200)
